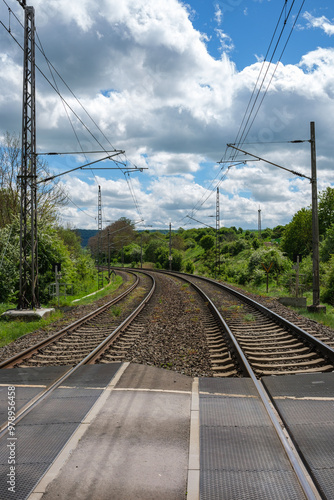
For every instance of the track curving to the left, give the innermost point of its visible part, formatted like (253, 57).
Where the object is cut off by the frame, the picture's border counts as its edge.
(76, 341)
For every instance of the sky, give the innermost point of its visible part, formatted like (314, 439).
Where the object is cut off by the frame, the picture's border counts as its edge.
(171, 84)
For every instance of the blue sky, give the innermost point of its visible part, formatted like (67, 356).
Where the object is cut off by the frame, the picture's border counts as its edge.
(250, 26)
(169, 83)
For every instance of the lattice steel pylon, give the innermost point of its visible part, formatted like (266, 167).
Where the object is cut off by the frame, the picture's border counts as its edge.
(28, 293)
(259, 223)
(99, 242)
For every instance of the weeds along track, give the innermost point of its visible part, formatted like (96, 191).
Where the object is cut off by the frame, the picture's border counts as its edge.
(76, 341)
(271, 344)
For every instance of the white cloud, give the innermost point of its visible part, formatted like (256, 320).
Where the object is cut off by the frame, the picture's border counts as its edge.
(226, 43)
(319, 22)
(218, 14)
(146, 78)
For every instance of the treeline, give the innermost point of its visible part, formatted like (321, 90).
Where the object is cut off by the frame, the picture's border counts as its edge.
(55, 243)
(237, 256)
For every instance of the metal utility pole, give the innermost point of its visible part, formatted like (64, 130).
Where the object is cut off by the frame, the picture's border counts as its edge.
(28, 293)
(170, 246)
(259, 222)
(315, 307)
(217, 233)
(108, 254)
(315, 224)
(99, 242)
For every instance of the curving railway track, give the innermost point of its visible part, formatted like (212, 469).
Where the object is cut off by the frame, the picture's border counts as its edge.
(188, 324)
(77, 341)
(272, 344)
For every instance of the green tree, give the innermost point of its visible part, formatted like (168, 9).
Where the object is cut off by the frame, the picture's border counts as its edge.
(327, 294)
(297, 238)
(256, 244)
(71, 239)
(267, 233)
(78, 269)
(151, 249)
(272, 258)
(162, 258)
(278, 232)
(207, 242)
(49, 196)
(327, 246)
(121, 233)
(326, 209)
(190, 268)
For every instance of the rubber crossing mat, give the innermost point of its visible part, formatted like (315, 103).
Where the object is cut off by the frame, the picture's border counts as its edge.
(241, 457)
(41, 434)
(306, 404)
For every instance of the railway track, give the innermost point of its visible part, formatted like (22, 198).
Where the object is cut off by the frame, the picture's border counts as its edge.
(78, 340)
(272, 345)
(242, 339)
(236, 324)
(220, 347)
(232, 326)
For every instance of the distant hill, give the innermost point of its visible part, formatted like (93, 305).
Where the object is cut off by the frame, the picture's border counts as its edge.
(85, 234)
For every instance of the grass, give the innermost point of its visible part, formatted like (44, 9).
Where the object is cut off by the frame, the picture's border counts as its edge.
(115, 311)
(323, 318)
(11, 330)
(249, 317)
(277, 291)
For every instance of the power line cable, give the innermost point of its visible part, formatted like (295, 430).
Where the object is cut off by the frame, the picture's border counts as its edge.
(40, 48)
(65, 108)
(258, 78)
(66, 105)
(61, 97)
(244, 134)
(273, 74)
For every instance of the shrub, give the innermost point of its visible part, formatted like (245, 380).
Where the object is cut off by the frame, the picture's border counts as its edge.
(328, 293)
(190, 268)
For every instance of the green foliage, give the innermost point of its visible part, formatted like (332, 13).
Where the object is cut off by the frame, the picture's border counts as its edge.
(228, 234)
(162, 259)
(77, 266)
(131, 253)
(270, 258)
(152, 247)
(235, 247)
(267, 233)
(207, 242)
(327, 246)
(277, 232)
(71, 239)
(178, 242)
(297, 238)
(326, 209)
(9, 258)
(190, 268)
(328, 292)
(256, 244)
(189, 243)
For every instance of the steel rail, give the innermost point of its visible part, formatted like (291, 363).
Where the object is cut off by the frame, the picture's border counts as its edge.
(318, 344)
(67, 329)
(43, 394)
(237, 351)
(96, 353)
(301, 476)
